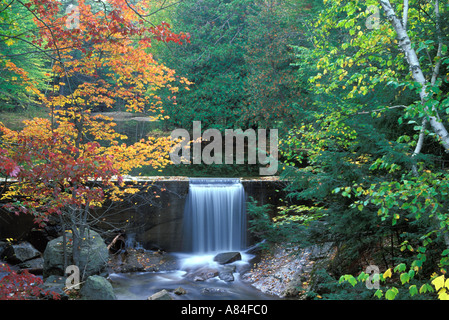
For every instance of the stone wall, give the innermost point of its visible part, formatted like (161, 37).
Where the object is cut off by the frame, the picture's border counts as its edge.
(155, 217)
(161, 225)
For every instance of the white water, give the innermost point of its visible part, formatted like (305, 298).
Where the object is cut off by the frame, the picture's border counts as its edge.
(214, 222)
(214, 216)
(141, 285)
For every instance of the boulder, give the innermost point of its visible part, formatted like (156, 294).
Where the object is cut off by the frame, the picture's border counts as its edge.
(93, 256)
(55, 284)
(226, 273)
(227, 257)
(161, 295)
(20, 252)
(202, 274)
(35, 266)
(97, 288)
(226, 276)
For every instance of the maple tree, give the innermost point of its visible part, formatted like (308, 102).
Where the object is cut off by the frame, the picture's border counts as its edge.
(74, 161)
(22, 286)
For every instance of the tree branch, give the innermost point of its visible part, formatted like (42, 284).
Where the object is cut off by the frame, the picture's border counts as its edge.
(406, 45)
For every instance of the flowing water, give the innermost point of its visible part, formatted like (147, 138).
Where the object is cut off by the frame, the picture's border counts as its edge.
(141, 285)
(214, 217)
(214, 222)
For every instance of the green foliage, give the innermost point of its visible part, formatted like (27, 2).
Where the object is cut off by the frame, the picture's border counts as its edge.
(352, 151)
(15, 54)
(267, 223)
(239, 61)
(213, 61)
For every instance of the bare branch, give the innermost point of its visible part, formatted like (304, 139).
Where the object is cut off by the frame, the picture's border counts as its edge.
(383, 109)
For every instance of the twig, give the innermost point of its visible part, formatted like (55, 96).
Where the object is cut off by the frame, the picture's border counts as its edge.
(386, 108)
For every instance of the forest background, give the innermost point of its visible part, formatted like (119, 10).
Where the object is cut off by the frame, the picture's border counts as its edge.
(357, 89)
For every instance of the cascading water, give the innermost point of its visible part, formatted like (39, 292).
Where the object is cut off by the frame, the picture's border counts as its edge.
(214, 216)
(214, 221)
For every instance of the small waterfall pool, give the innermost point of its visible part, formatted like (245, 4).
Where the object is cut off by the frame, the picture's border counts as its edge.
(141, 285)
(214, 222)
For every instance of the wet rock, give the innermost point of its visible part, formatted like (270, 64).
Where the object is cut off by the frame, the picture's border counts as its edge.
(226, 276)
(226, 273)
(39, 237)
(202, 274)
(180, 291)
(3, 246)
(227, 257)
(214, 291)
(161, 295)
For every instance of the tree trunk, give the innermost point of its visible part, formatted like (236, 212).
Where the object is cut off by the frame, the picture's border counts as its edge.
(432, 115)
(406, 45)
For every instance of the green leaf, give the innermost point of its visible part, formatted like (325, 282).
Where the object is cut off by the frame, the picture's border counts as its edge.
(404, 277)
(391, 293)
(400, 267)
(352, 281)
(413, 290)
(423, 288)
(378, 293)
(426, 288)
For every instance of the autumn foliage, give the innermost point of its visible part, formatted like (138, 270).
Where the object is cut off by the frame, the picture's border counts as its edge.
(22, 286)
(100, 58)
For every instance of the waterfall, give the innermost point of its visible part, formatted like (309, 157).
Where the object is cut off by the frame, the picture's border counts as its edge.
(214, 216)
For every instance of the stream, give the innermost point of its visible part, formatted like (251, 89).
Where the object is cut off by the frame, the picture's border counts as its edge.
(141, 285)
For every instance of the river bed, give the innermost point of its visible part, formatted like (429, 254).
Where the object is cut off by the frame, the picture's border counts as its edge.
(141, 285)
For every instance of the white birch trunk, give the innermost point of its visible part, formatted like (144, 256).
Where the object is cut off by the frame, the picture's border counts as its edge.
(415, 67)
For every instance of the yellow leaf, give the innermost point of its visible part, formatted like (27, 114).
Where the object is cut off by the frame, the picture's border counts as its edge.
(442, 294)
(387, 274)
(438, 282)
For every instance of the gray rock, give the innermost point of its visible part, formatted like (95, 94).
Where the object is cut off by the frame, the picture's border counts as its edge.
(180, 291)
(202, 274)
(55, 284)
(93, 256)
(226, 273)
(20, 252)
(214, 291)
(161, 295)
(97, 288)
(227, 257)
(34, 266)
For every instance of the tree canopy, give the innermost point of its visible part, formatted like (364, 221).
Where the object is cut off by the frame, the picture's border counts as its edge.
(357, 89)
